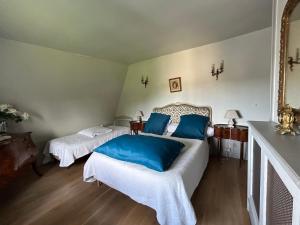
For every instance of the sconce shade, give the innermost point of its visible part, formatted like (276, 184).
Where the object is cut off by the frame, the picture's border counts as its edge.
(232, 114)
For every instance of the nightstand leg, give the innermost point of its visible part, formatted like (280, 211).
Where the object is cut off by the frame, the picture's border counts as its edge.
(219, 148)
(241, 153)
(34, 168)
(99, 183)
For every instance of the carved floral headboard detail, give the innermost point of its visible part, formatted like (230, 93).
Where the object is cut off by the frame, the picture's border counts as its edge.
(178, 109)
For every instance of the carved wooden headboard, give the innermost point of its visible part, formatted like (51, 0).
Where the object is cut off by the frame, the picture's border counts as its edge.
(178, 109)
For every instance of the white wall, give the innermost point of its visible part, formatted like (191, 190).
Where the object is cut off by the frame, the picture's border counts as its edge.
(245, 84)
(63, 92)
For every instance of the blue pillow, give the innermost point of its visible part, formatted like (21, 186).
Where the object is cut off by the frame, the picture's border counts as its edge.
(157, 123)
(153, 152)
(192, 126)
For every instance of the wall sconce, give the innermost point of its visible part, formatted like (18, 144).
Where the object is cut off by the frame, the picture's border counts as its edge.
(145, 81)
(218, 71)
(291, 60)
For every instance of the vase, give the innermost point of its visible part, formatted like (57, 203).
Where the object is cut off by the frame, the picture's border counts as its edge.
(3, 126)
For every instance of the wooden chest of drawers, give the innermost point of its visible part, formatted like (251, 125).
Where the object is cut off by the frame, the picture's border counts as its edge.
(15, 154)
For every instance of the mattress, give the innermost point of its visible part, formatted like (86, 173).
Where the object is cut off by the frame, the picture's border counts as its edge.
(166, 192)
(69, 148)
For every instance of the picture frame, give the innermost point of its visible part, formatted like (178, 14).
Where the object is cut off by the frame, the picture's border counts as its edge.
(175, 84)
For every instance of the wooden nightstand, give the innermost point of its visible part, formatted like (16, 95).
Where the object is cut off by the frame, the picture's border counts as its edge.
(136, 126)
(15, 154)
(238, 133)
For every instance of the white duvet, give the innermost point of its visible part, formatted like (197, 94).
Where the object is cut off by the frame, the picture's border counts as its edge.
(167, 192)
(69, 148)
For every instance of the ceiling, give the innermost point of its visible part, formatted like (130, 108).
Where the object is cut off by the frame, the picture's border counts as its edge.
(130, 30)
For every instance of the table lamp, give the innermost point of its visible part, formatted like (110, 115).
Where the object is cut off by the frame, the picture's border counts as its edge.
(231, 115)
(140, 115)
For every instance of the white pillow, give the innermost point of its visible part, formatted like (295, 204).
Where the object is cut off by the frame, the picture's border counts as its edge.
(172, 127)
(210, 131)
(95, 131)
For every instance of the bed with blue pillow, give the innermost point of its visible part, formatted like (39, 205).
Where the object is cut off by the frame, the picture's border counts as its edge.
(156, 170)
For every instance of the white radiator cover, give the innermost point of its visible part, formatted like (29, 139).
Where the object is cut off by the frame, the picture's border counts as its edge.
(274, 163)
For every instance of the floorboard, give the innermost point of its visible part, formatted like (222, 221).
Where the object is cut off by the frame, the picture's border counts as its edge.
(61, 197)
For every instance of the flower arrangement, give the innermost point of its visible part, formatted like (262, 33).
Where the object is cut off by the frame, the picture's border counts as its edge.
(8, 112)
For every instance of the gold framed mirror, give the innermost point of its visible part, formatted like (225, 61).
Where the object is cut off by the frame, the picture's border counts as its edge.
(289, 72)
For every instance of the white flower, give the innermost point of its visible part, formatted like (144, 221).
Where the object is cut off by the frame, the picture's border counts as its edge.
(4, 107)
(25, 116)
(12, 111)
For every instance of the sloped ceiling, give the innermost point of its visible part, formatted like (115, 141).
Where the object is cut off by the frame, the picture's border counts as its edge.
(130, 30)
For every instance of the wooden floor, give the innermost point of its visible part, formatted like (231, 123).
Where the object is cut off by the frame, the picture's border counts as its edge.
(60, 197)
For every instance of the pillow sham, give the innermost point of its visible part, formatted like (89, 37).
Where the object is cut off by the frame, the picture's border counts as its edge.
(192, 126)
(173, 126)
(95, 131)
(157, 123)
(153, 152)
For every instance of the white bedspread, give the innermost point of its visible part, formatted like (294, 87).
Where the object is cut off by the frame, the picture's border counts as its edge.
(69, 148)
(167, 192)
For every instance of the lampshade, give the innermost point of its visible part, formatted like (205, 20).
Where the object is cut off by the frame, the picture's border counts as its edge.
(232, 114)
(140, 113)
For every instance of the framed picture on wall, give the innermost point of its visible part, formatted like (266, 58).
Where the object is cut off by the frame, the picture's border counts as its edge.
(175, 84)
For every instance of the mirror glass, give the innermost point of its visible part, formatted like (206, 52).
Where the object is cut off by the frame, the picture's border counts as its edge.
(293, 60)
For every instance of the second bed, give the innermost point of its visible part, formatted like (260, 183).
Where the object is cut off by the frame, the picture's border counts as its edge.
(69, 148)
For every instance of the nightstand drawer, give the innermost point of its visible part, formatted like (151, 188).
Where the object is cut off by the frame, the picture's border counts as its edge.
(226, 133)
(244, 135)
(235, 134)
(218, 132)
(136, 126)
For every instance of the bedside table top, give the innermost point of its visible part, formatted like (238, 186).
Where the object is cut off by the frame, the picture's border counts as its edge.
(239, 133)
(136, 121)
(240, 127)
